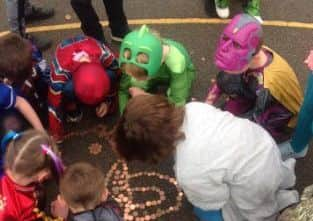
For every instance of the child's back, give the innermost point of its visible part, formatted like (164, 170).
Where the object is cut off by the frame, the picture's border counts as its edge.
(107, 211)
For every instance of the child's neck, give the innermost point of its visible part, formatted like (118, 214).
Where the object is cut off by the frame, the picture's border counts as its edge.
(259, 60)
(78, 210)
(17, 179)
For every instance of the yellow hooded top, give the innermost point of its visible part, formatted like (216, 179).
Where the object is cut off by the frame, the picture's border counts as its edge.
(283, 84)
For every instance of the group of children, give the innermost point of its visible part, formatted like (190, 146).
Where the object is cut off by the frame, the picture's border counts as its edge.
(258, 84)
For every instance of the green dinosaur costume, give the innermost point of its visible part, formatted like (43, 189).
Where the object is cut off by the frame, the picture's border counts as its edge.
(176, 71)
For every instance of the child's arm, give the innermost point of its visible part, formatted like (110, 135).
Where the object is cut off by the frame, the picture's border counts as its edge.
(180, 88)
(309, 60)
(59, 208)
(28, 112)
(109, 105)
(109, 60)
(55, 114)
(58, 84)
(214, 92)
(123, 94)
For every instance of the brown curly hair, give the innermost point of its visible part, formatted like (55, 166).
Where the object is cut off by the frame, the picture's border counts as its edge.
(16, 58)
(148, 129)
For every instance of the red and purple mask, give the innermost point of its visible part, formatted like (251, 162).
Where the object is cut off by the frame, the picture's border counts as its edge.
(238, 43)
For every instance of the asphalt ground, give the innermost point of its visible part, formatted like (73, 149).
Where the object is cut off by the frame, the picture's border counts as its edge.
(132, 183)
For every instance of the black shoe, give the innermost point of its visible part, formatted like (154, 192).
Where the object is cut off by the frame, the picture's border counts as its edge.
(118, 36)
(39, 13)
(42, 43)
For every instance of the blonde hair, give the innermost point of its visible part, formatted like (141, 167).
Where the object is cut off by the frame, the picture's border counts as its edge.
(24, 155)
(82, 186)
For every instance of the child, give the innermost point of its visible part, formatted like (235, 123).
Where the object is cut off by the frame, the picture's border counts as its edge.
(148, 61)
(298, 145)
(253, 8)
(28, 161)
(257, 81)
(83, 71)
(227, 166)
(19, 78)
(83, 192)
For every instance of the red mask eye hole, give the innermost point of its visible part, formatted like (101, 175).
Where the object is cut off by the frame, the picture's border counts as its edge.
(236, 45)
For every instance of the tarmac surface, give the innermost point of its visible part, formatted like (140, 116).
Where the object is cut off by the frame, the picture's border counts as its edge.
(146, 191)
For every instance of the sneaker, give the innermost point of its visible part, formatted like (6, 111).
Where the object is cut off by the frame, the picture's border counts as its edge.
(42, 43)
(288, 152)
(259, 18)
(222, 9)
(38, 13)
(118, 37)
(253, 9)
(74, 117)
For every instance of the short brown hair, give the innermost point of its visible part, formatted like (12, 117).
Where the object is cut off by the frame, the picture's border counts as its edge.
(148, 129)
(82, 186)
(24, 155)
(16, 58)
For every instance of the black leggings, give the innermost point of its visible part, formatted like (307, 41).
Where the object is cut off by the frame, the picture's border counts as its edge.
(90, 20)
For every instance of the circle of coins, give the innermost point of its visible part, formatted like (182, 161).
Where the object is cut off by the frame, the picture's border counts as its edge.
(123, 193)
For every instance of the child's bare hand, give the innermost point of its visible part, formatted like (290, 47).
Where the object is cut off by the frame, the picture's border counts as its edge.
(135, 91)
(102, 109)
(59, 208)
(309, 60)
(210, 99)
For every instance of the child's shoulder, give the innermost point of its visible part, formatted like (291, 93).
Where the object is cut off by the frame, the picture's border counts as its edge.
(105, 211)
(5, 203)
(7, 96)
(178, 57)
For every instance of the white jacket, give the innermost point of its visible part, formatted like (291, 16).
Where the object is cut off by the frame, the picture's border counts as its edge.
(232, 164)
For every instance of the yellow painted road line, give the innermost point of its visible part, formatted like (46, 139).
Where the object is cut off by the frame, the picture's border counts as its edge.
(167, 21)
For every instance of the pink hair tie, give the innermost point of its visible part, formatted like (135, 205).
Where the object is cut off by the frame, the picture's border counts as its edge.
(58, 164)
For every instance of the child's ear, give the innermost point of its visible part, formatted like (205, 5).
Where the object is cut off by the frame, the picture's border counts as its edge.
(43, 175)
(6, 81)
(105, 195)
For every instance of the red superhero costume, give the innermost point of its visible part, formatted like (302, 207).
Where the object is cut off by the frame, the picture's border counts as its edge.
(63, 69)
(17, 203)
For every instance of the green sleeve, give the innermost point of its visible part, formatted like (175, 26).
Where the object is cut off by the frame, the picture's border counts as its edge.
(181, 75)
(123, 95)
(180, 88)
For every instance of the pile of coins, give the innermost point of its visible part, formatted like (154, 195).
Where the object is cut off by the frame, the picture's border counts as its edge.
(119, 179)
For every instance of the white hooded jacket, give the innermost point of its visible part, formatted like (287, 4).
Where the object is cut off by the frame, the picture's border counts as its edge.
(232, 164)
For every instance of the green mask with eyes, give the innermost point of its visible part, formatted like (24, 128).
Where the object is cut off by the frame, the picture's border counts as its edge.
(142, 41)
